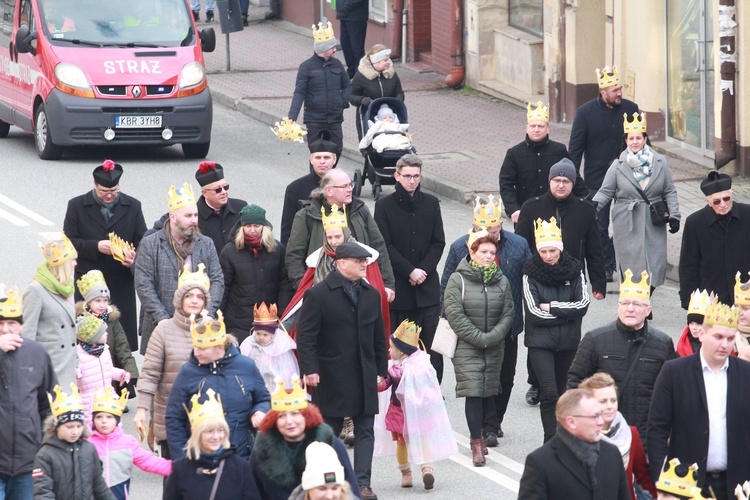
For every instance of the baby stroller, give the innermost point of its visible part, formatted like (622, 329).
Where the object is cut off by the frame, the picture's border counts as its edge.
(379, 167)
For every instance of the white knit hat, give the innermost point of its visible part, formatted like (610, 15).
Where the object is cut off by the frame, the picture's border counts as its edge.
(323, 467)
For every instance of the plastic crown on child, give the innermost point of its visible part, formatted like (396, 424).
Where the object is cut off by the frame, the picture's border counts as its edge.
(63, 403)
(265, 315)
(408, 333)
(283, 400)
(210, 408)
(106, 400)
(700, 301)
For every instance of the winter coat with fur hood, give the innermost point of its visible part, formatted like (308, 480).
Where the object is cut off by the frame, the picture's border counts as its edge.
(370, 84)
(95, 372)
(117, 340)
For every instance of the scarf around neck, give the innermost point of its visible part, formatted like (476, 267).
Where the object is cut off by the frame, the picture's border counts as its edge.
(487, 271)
(94, 350)
(327, 257)
(106, 209)
(410, 203)
(640, 162)
(564, 270)
(182, 250)
(51, 284)
(620, 435)
(587, 453)
(254, 245)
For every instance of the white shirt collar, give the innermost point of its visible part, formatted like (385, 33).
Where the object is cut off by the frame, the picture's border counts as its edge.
(705, 366)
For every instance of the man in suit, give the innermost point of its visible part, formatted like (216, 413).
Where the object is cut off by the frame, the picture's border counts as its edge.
(217, 212)
(89, 220)
(575, 463)
(699, 408)
(342, 352)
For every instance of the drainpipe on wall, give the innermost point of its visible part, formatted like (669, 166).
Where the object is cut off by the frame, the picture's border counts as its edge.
(728, 58)
(396, 46)
(457, 45)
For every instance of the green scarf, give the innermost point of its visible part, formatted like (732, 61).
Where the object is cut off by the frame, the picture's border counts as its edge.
(48, 281)
(487, 271)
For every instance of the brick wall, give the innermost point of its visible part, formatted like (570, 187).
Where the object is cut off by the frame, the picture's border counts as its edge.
(419, 30)
(441, 35)
(301, 12)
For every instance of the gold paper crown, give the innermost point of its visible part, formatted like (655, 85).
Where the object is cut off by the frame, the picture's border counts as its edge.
(408, 333)
(106, 400)
(741, 291)
(700, 301)
(59, 251)
(210, 408)
(474, 236)
(265, 315)
(637, 124)
(180, 197)
(121, 249)
(487, 214)
(209, 332)
(10, 306)
(91, 279)
(197, 279)
(288, 130)
(63, 403)
(282, 400)
(607, 77)
(637, 291)
(719, 314)
(539, 113)
(679, 480)
(337, 217)
(547, 233)
(322, 33)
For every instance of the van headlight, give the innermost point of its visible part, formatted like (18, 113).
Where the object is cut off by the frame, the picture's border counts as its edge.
(72, 80)
(192, 74)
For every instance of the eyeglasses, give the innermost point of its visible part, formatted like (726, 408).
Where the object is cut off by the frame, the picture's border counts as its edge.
(219, 189)
(717, 201)
(595, 417)
(628, 303)
(562, 181)
(345, 186)
(108, 192)
(410, 178)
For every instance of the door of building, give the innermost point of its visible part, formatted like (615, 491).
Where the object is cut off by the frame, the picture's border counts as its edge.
(690, 74)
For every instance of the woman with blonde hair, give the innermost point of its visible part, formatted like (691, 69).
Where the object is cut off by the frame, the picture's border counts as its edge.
(617, 432)
(48, 309)
(375, 77)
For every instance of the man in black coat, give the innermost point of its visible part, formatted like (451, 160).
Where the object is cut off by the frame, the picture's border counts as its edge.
(322, 159)
(89, 220)
(352, 16)
(412, 227)
(525, 170)
(597, 135)
(715, 242)
(575, 463)
(323, 86)
(700, 406)
(217, 212)
(342, 352)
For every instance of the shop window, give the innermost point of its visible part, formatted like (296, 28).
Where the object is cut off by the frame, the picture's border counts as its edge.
(526, 15)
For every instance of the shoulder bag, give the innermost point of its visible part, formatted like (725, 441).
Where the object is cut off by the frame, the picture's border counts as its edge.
(658, 209)
(445, 338)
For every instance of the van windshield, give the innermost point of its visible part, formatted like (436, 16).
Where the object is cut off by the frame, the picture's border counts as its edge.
(161, 23)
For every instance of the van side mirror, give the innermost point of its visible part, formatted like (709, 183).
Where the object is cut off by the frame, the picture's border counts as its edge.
(208, 39)
(25, 40)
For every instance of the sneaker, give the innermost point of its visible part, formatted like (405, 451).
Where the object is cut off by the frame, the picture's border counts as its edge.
(366, 493)
(500, 432)
(532, 396)
(196, 16)
(611, 276)
(209, 16)
(490, 439)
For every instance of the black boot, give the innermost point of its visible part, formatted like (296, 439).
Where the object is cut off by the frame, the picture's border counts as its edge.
(275, 12)
(244, 20)
(209, 16)
(196, 15)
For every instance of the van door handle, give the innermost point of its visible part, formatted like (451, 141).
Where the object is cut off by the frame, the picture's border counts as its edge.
(12, 51)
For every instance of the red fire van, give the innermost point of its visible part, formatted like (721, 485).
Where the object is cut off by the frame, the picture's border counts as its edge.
(93, 72)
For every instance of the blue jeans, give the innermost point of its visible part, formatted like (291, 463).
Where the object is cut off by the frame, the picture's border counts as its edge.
(196, 5)
(18, 487)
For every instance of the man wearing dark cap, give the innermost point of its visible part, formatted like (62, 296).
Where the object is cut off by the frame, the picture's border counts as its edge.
(715, 242)
(322, 159)
(342, 352)
(89, 220)
(27, 375)
(217, 212)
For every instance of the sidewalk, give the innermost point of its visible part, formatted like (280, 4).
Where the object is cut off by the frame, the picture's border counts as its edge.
(461, 135)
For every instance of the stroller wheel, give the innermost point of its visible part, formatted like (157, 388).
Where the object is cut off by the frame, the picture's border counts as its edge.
(377, 191)
(358, 183)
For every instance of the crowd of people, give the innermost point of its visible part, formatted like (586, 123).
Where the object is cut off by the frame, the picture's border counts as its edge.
(260, 355)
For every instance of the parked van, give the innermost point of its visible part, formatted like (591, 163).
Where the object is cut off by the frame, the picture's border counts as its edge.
(93, 72)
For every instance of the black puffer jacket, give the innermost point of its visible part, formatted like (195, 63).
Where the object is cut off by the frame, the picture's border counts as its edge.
(562, 287)
(371, 84)
(324, 88)
(610, 349)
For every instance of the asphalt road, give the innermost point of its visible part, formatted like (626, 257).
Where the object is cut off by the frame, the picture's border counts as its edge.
(33, 199)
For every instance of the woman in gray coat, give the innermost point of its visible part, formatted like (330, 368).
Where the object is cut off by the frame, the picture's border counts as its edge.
(639, 244)
(479, 307)
(49, 313)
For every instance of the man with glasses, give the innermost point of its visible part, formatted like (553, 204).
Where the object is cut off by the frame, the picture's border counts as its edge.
(715, 242)
(575, 463)
(89, 220)
(629, 350)
(412, 226)
(217, 212)
(307, 229)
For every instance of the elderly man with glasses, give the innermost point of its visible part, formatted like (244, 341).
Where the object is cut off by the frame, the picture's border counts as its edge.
(307, 229)
(217, 212)
(628, 349)
(715, 242)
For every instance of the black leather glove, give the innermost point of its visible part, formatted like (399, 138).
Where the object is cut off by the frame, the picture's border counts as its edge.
(366, 101)
(674, 225)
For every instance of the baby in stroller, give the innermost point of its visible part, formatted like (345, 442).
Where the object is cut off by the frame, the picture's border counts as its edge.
(386, 133)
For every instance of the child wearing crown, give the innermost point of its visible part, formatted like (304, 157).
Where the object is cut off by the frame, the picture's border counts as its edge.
(689, 342)
(117, 450)
(95, 368)
(58, 473)
(96, 301)
(416, 415)
(270, 347)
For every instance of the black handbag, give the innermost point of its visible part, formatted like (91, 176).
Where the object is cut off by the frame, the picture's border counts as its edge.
(658, 209)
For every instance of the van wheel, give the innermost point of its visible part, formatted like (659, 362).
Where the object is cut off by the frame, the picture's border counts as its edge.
(196, 150)
(4, 129)
(45, 148)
